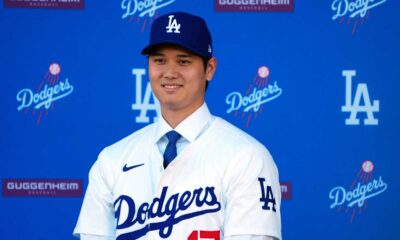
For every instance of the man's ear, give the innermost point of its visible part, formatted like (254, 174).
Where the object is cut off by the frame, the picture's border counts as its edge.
(211, 68)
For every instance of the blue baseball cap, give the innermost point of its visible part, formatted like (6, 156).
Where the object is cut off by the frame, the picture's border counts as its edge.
(183, 29)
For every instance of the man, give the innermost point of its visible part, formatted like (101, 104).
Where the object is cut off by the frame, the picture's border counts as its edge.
(190, 175)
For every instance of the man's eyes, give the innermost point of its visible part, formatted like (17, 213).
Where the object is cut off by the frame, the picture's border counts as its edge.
(184, 62)
(159, 60)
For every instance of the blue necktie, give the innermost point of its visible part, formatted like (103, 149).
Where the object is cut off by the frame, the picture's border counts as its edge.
(170, 150)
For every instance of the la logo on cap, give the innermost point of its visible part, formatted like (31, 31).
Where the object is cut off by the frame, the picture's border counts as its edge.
(173, 24)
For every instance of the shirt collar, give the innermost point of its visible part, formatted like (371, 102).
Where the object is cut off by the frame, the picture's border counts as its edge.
(189, 128)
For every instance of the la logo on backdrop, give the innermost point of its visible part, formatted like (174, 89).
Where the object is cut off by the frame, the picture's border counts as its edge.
(354, 12)
(40, 101)
(144, 103)
(354, 199)
(260, 91)
(143, 11)
(354, 106)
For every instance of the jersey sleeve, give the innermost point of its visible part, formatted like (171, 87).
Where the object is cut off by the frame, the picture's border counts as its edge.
(97, 213)
(252, 195)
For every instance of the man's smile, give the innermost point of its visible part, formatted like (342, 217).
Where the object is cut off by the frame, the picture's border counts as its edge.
(171, 85)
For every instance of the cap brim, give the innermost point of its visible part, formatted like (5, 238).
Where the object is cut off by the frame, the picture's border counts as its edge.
(151, 48)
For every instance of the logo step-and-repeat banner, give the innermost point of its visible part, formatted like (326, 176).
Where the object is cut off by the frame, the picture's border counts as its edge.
(316, 82)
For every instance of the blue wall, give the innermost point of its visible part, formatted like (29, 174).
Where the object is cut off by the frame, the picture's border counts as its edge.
(307, 54)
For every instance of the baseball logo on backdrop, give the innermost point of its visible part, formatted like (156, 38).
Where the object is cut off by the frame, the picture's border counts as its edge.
(40, 101)
(353, 12)
(354, 199)
(142, 11)
(368, 166)
(54, 69)
(260, 91)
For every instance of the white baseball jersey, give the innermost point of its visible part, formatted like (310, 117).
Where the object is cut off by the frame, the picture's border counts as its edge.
(223, 183)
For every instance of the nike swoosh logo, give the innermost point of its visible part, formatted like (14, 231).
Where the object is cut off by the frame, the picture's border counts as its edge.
(126, 168)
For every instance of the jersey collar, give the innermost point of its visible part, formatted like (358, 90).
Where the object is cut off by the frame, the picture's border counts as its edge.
(190, 128)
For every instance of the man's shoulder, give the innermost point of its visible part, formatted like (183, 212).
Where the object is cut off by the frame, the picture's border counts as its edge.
(233, 142)
(235, 135)
(234, 148)
(137, 138)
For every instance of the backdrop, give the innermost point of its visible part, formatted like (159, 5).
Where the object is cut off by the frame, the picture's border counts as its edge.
(315, 81)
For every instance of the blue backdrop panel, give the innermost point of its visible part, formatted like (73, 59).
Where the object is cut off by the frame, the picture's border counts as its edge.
(315, 71)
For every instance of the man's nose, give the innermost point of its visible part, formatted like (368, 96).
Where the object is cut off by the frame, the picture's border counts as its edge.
(171, 71)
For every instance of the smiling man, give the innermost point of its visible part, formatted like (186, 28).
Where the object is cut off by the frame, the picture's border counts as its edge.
(190, 175)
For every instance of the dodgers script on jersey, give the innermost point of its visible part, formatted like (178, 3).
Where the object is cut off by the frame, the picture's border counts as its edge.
(224, 183)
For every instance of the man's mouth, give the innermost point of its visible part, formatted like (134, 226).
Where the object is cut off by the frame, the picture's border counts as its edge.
(171, 86)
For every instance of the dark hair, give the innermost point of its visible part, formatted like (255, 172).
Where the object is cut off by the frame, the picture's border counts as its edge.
(205, 63)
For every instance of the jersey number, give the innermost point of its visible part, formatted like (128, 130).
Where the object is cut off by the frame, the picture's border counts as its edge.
(267, 196)
(197, 235)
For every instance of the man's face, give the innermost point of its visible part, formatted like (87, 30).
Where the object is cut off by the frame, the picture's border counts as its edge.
(178, 78)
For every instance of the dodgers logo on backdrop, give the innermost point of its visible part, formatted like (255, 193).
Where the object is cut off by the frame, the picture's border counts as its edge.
(163, 212)
(144, 10)
(144, 104)
(356, 11)
(42, 99)
(354, 199)
(354, 107)
(259, 92)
